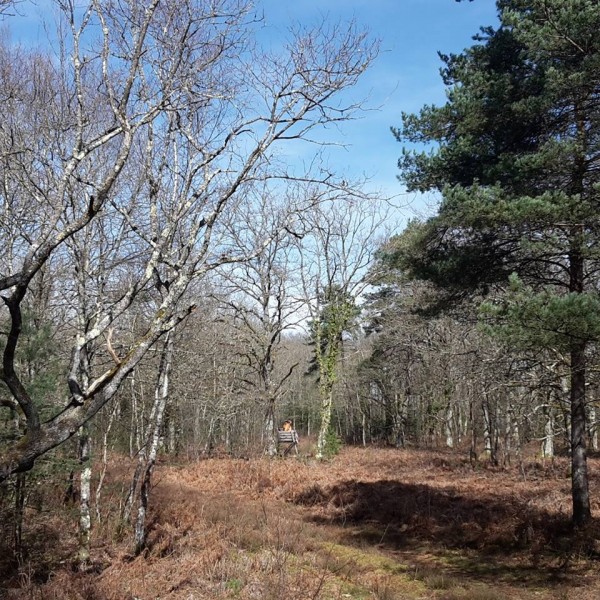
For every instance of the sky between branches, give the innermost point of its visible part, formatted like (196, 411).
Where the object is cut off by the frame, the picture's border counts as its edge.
(404, 77)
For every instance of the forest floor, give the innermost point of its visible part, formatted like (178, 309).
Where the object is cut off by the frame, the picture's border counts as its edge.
(372, 523)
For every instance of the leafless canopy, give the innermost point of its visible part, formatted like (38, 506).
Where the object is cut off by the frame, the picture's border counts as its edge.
(126, 159)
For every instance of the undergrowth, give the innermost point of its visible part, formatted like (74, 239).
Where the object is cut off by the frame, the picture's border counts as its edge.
(370, 524)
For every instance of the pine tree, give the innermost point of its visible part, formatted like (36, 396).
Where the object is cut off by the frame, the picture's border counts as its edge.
(517, 159)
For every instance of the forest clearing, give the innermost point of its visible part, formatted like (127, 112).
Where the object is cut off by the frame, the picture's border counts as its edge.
(200, 260)
(373, 523)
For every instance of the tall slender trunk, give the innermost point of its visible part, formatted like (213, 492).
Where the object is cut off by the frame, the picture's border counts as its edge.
(326, 404)
(473, 447)
(400, 402)
(161, 397)
(85, 478)
(449, 425)
(227, 435)
(269, 401)
(489, 431)
(508, 437)
(102, 476)
(269, 428)
(128, 504)
(134, 429)
(518, 448)
(20, 501)
(363, 427)
(171, 427)
(548, 443)
(84, 447)
(208, 447)
(579, 471)
(593, 426)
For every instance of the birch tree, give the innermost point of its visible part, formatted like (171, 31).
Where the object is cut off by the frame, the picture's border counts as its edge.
(161, 117)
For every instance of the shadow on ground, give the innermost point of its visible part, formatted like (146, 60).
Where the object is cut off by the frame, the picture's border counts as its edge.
(488, 537)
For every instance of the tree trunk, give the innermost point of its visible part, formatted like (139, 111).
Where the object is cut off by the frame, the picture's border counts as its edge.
(363, 424)
(85, 478)
(508, 435)
(269, 429)
(161, 397)
(326, 404)
(548, 443)
(489, 431)
(449, 426)
(135, 433)
(579, 472)
(20, 501)
(111, 419)
(473, 446)
(208, 446)
(171, 426)
(593, 427)
(128, 504)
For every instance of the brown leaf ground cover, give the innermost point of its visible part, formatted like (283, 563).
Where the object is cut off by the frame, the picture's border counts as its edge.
(370, 524)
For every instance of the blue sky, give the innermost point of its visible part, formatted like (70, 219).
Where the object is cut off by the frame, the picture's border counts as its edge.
(405, 75)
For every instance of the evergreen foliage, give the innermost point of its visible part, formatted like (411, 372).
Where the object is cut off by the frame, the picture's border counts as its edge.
(333, 443)
(39, 360)
(337, 316)
(516, 155)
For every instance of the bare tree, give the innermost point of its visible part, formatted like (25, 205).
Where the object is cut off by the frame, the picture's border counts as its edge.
(8, 7)
(162, 125)
(334, 271)
(261, 295)
(147, 455)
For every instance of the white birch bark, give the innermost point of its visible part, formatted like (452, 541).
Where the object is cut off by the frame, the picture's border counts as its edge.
(487, 429)
(85, 517)
(161, 398)
(363, 428)
(449, 426)
(102, 476)
(548, 441)
(593, 433)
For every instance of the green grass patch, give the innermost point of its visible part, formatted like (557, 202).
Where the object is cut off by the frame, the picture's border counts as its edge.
(370, 574)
